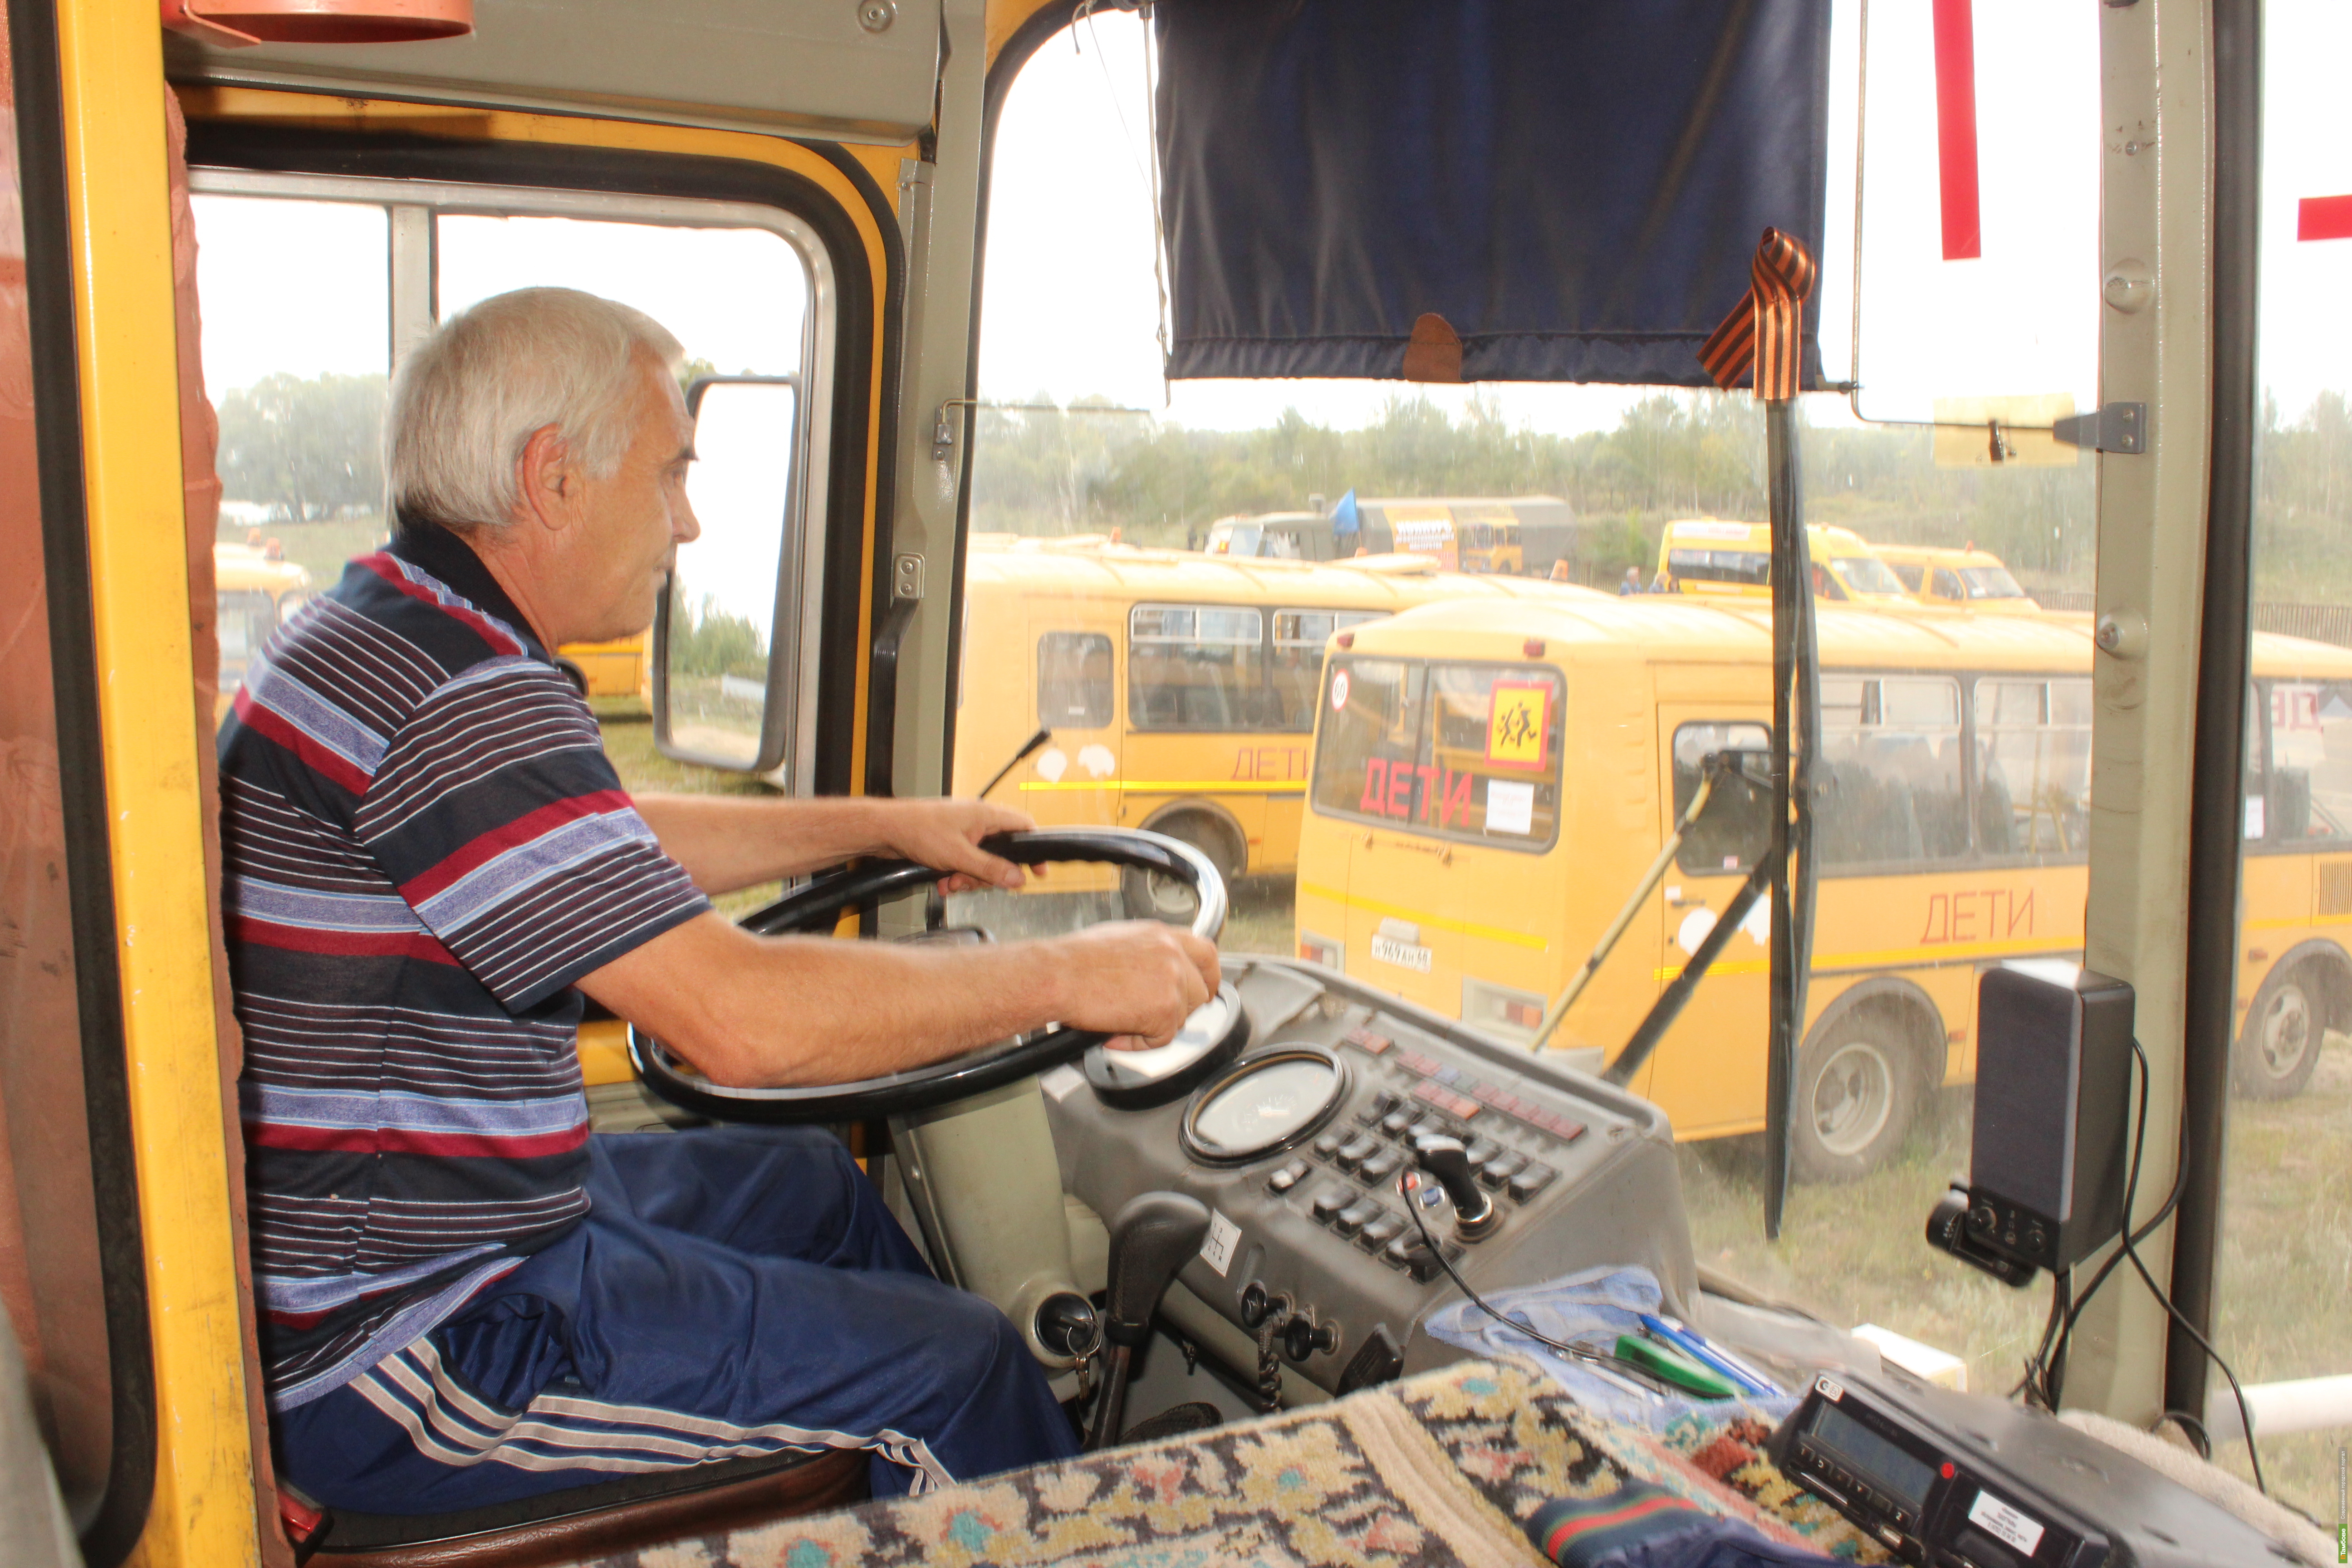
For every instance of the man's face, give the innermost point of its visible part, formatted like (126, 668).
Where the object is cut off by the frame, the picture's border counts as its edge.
(633, 521)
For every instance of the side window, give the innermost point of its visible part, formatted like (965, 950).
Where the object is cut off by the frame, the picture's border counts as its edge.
(1891, 751)
(2307, 794)
(1073, 680)
(1947, 586)
(297, 362)
(1451, 751)
(1748, 568)
(1908, 575)
(1194, 666)
(1736, 828)
(2033, 753)
(1295, 674)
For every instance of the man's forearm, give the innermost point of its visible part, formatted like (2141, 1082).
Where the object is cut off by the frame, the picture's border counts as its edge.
(749, 1010)
(728, 842)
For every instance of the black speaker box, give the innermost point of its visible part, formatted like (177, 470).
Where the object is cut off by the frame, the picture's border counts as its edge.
(2053, 1114)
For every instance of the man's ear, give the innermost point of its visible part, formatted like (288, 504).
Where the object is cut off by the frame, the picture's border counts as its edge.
(547, 481)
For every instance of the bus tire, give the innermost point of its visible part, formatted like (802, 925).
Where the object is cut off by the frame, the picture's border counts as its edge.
(1147, 897)
(1857, 1091)
(2285, 1028)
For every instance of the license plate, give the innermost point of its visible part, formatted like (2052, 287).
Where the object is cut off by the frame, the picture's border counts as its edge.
(1403, 954)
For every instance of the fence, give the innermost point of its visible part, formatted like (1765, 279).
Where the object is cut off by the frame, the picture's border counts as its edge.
(2319, 623)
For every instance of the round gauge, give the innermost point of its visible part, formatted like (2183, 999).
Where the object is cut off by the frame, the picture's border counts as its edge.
(1137, 1080)
(1264, 1105)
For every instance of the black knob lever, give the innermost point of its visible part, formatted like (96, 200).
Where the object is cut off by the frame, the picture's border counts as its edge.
(1302, 1336)
(1152, 1237)
(1446, 1160)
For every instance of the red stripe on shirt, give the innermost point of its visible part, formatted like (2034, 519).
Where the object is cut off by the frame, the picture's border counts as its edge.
(394, 1141)
(1609, 1521)
(480, 851)
(386, 567)
(341, 943)
(320, 758)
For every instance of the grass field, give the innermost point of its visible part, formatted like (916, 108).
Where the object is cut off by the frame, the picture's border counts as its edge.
(1855, 1254)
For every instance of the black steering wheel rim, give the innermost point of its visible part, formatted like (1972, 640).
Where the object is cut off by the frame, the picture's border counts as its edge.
(817, 906)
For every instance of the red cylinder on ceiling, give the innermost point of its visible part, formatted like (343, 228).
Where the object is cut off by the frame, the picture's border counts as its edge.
(320, 21)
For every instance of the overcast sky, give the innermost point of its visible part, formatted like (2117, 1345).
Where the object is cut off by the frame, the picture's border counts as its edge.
(1071, 302)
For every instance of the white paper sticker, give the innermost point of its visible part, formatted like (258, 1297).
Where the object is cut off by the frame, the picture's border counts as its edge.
(1219, 1248)
(2254, 817)
(2006, 1522)
(1510, 807)
(1339, 692)
(1061, 1081)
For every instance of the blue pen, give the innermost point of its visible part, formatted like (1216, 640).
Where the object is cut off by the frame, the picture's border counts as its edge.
(1700, 1348)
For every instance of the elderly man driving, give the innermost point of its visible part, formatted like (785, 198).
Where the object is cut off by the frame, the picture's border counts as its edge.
(467, 1297)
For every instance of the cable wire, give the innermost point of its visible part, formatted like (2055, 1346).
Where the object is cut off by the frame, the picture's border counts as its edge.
(1405, 1181)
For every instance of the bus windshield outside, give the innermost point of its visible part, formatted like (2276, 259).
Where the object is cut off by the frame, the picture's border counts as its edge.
(1436, 859)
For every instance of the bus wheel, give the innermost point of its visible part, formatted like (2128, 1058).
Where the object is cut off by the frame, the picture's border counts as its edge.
(1856, 1089)
(2280, 1045)
(1148, 896)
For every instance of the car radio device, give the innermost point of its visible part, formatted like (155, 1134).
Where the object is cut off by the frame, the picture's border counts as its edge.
(1960, 1480)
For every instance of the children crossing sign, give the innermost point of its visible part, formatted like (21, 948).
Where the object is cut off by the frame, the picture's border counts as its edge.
(1519, 723)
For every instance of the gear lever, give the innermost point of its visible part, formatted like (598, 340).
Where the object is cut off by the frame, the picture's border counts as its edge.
(1475, 1213)
(1152, 1237)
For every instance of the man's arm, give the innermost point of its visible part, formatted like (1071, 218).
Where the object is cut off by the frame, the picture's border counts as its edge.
(758, 1011)
(729, 842)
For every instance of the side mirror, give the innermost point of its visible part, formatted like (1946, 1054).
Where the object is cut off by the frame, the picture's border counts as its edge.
(727, 665)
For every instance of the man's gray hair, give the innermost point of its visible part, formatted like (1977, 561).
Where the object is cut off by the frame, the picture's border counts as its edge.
(465, 403)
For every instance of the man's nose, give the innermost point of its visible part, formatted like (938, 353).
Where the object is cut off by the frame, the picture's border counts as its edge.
(685, 528)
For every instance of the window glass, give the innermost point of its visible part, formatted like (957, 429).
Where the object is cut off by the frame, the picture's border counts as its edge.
(1466, 751)
(2281, 1311)
(1868, 574)
(1989, 583)
(1295, 674)
(1074, 680)
(1194, 667)
(297, 360)
(1891, 749)
(1910, 575)
(2033, 743)
(1749, 568)
(1736, 828)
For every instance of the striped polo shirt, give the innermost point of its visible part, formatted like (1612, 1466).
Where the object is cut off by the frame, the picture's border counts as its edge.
(424, 846)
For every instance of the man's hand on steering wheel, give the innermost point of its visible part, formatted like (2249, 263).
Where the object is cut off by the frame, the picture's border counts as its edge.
(946, 834)
(1137, 981)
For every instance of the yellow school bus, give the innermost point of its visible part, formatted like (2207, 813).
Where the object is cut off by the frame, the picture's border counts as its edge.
(1180, 687)
(1968, 579)
(253, 593)
(1490, 782)
(612, 668)
(1710, 557)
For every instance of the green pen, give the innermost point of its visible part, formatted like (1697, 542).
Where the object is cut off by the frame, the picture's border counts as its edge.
(1671, 1365)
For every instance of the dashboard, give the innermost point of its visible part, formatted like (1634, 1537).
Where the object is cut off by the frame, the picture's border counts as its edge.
(1291, 1121)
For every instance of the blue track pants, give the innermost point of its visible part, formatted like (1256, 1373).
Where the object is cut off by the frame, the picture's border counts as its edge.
(733, 1291)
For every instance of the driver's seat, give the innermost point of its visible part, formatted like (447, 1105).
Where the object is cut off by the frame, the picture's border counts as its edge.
(583, 1522)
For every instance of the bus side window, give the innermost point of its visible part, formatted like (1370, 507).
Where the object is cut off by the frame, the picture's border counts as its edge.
(1193, 666)
(2309, 792)
(2033, 753)
(1947, 586)
(1073, 680)
(1891, 748)
(1296, 673)
(1736, 828)
(1909, 576)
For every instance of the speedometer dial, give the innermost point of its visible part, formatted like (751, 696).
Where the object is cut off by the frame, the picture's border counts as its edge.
(1264, 1105)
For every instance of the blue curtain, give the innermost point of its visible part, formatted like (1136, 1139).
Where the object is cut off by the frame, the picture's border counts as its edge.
(1577, 187)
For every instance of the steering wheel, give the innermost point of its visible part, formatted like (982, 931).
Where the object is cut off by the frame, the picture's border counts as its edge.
(817, 906)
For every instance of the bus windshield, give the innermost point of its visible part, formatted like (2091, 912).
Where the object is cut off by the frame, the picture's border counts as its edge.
(1991, 583)
(1867, 574)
